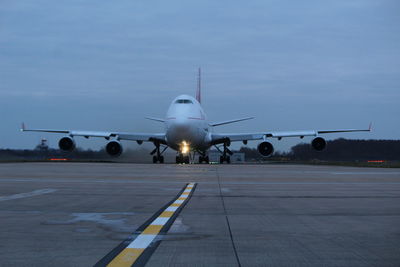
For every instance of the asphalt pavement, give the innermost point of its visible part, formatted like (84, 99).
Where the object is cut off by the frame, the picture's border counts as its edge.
(74, 214)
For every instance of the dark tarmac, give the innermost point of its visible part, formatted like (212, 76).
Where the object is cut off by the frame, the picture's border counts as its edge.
(73, 214)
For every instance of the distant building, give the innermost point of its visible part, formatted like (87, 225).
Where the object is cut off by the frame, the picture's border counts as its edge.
(43, 145)
(237, 157)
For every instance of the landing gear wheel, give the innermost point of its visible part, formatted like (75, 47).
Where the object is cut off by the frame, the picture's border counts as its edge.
(158, 153)
(186, 159)
(180, 159)
(226, 159)
(225, 153)
(206, 159)
(158, 159)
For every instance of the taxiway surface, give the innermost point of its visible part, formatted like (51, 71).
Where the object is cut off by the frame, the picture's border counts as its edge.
(73, 214)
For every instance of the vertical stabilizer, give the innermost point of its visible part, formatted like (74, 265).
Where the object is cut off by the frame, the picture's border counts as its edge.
(198, 92)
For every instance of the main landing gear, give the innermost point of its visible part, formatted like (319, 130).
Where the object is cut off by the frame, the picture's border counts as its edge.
(226, 158)
(203, 157)
(158, 154)
(226, 153)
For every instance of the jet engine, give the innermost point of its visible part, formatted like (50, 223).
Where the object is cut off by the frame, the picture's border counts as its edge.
(318, 143)
(66, 143)
(114, 148)
(265, 148)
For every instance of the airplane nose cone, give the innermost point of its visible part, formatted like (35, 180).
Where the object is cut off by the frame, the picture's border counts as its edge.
(181, 125)
(180, 131)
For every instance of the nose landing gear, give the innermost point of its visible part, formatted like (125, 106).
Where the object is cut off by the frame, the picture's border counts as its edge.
(182, 159)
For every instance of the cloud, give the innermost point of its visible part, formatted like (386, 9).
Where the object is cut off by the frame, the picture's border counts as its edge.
(297, 64)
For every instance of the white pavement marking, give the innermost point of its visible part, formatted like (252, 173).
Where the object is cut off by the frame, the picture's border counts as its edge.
(28, 194)
(142, 241)
(160, 221)
(171, 208)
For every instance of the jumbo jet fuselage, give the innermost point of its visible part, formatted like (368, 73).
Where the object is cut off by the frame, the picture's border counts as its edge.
(186, 124)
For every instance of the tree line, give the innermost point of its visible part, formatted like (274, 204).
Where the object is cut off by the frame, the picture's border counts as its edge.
(336, 150)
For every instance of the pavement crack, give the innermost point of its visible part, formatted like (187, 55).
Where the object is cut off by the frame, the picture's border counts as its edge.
(227, 219)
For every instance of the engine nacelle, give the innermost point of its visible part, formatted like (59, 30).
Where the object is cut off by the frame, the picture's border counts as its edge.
(66, 143)
(318, 143)
(114, 148)
(265, 148)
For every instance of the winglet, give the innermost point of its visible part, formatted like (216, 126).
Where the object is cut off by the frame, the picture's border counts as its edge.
(23, 127)
(370, 126)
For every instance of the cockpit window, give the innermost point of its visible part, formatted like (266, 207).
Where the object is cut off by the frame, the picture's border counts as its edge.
(183, 101)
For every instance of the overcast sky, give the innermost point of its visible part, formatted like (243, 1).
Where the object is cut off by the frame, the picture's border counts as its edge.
(104, 65)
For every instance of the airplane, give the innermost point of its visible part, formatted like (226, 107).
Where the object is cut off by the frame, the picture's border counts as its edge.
(187, 130)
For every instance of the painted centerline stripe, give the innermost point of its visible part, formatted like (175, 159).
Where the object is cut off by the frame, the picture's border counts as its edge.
(136, 252)
(170, 208)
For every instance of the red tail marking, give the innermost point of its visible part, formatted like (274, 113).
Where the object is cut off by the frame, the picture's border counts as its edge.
(198, 92)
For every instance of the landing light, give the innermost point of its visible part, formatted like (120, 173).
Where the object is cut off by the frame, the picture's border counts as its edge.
(185, 148)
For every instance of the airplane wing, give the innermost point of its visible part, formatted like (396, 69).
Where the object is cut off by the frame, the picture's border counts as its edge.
(155, 119)
(220, 138)
(150, 137)
(230, 121)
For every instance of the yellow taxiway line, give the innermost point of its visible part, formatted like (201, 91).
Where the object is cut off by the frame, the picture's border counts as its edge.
(129, 255)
